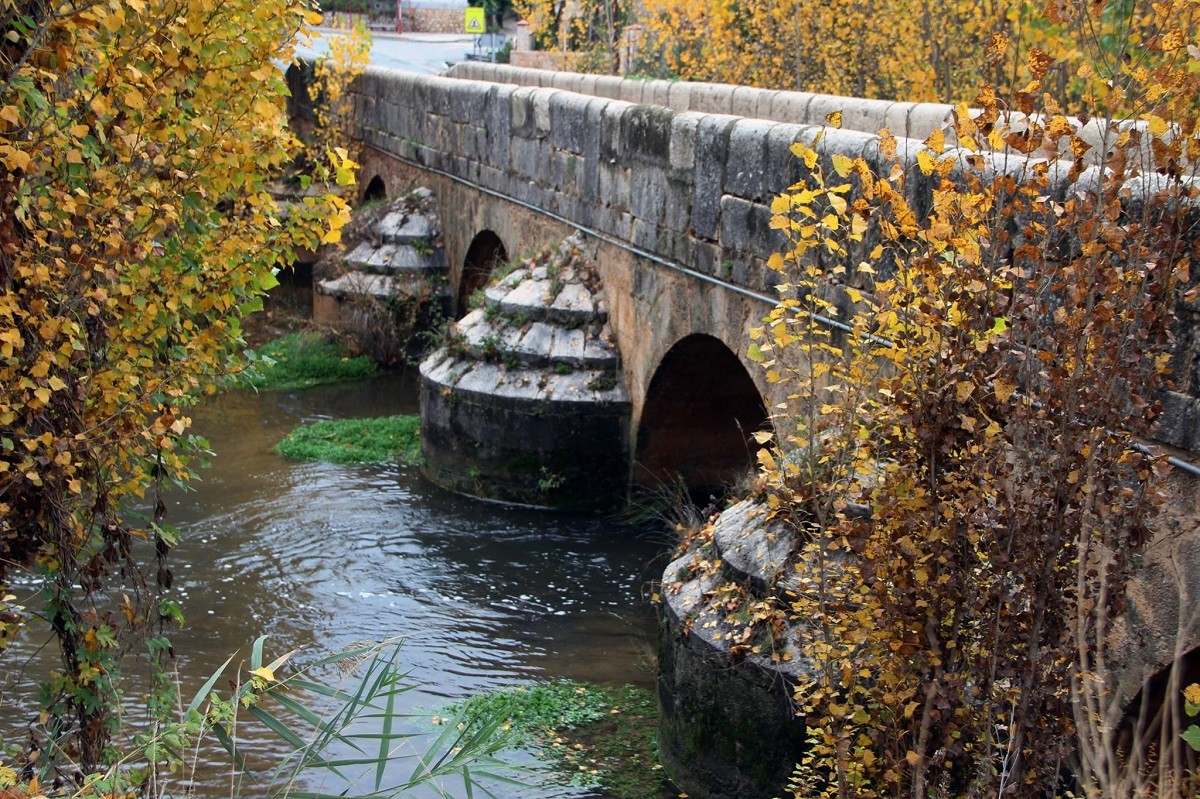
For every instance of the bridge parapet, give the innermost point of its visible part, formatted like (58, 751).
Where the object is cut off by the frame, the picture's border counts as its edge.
(687, 187)
(905, 119)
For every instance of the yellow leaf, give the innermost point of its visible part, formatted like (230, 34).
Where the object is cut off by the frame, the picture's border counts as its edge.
(936, 141)
(926, 162)
(767, 460)
(781, 204)
(834, 119)
(1156, 124)
(265, 673)
(10, 113)
(56, 384)
(912, 757)
(842, 164)
(1004, 389)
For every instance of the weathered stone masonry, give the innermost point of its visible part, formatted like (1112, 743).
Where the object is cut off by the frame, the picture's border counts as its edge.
(692, 187)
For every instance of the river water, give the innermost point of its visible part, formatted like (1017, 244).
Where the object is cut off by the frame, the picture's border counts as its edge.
(320, 556)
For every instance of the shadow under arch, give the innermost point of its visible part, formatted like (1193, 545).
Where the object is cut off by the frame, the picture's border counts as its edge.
(376, 190)
(485, 253)
(701, 411)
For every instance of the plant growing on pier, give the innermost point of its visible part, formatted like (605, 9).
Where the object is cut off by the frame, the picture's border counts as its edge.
(1004, 351)
(137, 141)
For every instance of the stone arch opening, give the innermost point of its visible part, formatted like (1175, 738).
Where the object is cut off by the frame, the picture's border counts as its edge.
(701, 411)
(376, 190)
(486, 252)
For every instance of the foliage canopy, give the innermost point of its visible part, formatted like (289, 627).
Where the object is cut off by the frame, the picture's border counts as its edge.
(138, 139)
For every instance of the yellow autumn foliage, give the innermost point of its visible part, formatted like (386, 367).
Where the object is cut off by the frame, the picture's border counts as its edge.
(138, 143)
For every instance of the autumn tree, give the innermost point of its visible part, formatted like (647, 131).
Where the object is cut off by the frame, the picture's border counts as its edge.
(137, 139)
(1012, 304)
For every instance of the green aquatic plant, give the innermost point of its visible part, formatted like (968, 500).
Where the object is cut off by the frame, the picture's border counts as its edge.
(356, 441)
(594, 735)
(301, 360)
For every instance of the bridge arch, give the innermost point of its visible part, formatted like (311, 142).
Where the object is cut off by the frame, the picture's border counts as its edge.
(375, 190)
(485, 252)
(700, 413)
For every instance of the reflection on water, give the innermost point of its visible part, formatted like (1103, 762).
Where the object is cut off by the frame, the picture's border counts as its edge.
(323, 556)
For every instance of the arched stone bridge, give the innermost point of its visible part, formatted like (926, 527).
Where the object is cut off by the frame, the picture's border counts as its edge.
(670, 183)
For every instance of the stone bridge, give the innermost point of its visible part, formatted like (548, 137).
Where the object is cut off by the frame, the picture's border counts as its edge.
(669, 184)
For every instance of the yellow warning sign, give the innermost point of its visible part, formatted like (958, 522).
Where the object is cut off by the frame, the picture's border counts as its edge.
(475, 21)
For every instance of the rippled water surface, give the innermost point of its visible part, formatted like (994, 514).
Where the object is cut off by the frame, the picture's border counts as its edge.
(321, 556)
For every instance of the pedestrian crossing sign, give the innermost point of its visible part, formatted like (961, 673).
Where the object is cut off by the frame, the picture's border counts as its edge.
(475, 21)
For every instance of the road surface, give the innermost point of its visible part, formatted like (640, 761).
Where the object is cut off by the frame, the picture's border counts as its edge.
(426, 53)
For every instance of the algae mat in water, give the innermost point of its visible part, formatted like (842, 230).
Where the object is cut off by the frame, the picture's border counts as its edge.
(356, 441)
(301, 360)
(595, 735)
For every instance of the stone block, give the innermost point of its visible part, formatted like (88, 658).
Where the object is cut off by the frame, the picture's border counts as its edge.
(712, 148)
(526, 158)
(541, 111)
(589, 178)
(567, 167)
(823, 105)
(745, 173)
(925, 118)
(706, 257)
(648, 194)
(611, 125)
(497, 122)
(783, 167)
(746, 227)
(492, 178)
(745, 102)
(569, 347)
(679, 95)
(521, 105)
(868, 116)
(791, 107)
(631, 91)
(567, 204)
(896, 118)
(567, 81)
(467, 100)
(568, 119)
(646, 135)
(645, 235)
(1179, 424)
(608, 86)
(766, 101)
(614, 186)
(678, 216)
(712, 98)
(683, 142)
(656, 92)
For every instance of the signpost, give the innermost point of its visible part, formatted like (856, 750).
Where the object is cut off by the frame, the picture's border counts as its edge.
(476, 22)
